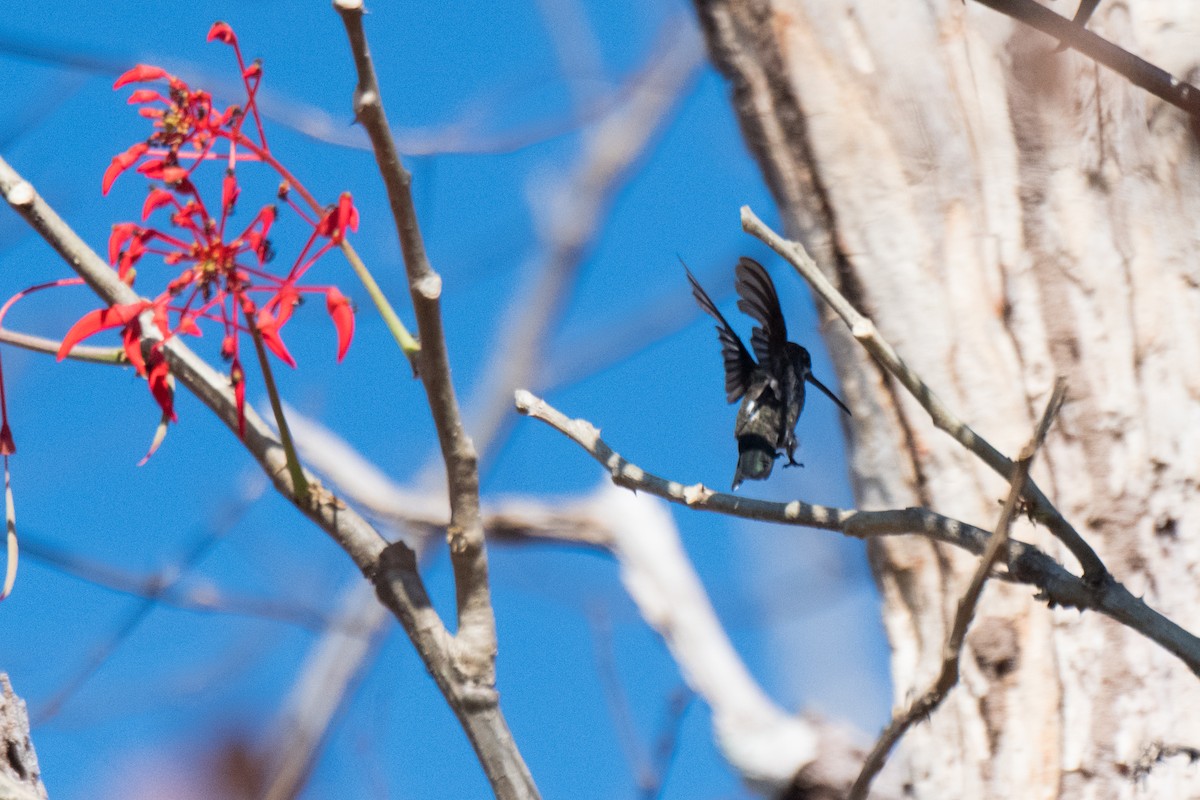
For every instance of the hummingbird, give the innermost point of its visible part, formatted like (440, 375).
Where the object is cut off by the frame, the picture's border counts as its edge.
(772, 388)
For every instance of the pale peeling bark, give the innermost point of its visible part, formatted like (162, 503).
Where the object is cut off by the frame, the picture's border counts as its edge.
(1005, 214)
(20, 777)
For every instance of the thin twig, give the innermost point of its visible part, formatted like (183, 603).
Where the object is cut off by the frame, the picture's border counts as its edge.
(570, 213)
(864, 330)
(1137, 71)
(212, 535)
(473, 650)
(1023, 562)
(948, 677)
(463, 136)
(114, 356)
(476, 624)
(666, 744)
(163, 588)
(616, 697)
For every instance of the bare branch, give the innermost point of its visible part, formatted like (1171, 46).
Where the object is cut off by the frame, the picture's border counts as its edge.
(1137, 71)
(952, 651)
(475, 621)
(1024, 563)
(864, 330)
(163, 587)
(571, 211)
(764, 743)
(473, 647)
(114, 356)
(391, 568)
(458, 137)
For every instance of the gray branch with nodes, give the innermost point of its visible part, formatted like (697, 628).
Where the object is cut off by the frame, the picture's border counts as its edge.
(1001, 557)
(462, 664)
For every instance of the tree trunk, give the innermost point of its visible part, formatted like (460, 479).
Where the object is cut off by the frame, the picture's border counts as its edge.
(1005, 214)
(20, 777)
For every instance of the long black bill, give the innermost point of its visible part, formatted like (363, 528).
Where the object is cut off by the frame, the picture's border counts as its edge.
(828, 393)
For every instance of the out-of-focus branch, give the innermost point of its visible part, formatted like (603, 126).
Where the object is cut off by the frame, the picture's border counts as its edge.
(864, 330)
(948, 676)
(472, 649)
(1137, 71)
(462, 136)
(163, 588)
(762, 742)
(20, 776)
(151, 596)
(331, 669)
(1024, 563)
(570, 212)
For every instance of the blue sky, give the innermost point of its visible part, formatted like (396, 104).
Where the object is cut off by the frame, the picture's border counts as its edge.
(799, 605)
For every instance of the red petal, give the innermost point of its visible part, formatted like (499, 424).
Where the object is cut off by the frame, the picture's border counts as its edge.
(144, 96)
(160, 319)
(229, 191)
(152, 169)
(131, 337)
(288, 298)
(156, 200)
(98, 320)
(120, 163)
(222, 33)
(347, 214)
(342, 313)
(139, 74)
(121, 234)
(160, 385)
(326, 225)
(187, 324)
(268, 328)
(174, 174)
(182, 282)
(160, 433)
(132, 254)
(7, 445)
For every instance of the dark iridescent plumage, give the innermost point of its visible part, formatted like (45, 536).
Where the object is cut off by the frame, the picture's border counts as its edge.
(772, 388)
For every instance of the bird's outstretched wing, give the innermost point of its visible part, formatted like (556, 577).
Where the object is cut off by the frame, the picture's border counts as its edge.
(739, 364)
(759, 300)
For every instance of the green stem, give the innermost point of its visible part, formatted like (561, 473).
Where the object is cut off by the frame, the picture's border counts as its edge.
(299, 482)
(408, 345)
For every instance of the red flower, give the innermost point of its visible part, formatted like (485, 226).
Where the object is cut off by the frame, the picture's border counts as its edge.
(223, 278)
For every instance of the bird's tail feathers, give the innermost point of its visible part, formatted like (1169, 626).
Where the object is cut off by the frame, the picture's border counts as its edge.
(756, 458)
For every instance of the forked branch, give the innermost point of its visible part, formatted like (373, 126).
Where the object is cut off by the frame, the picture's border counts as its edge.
(473, 647)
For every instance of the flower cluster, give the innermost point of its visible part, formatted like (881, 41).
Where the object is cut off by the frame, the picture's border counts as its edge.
(224, 275)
